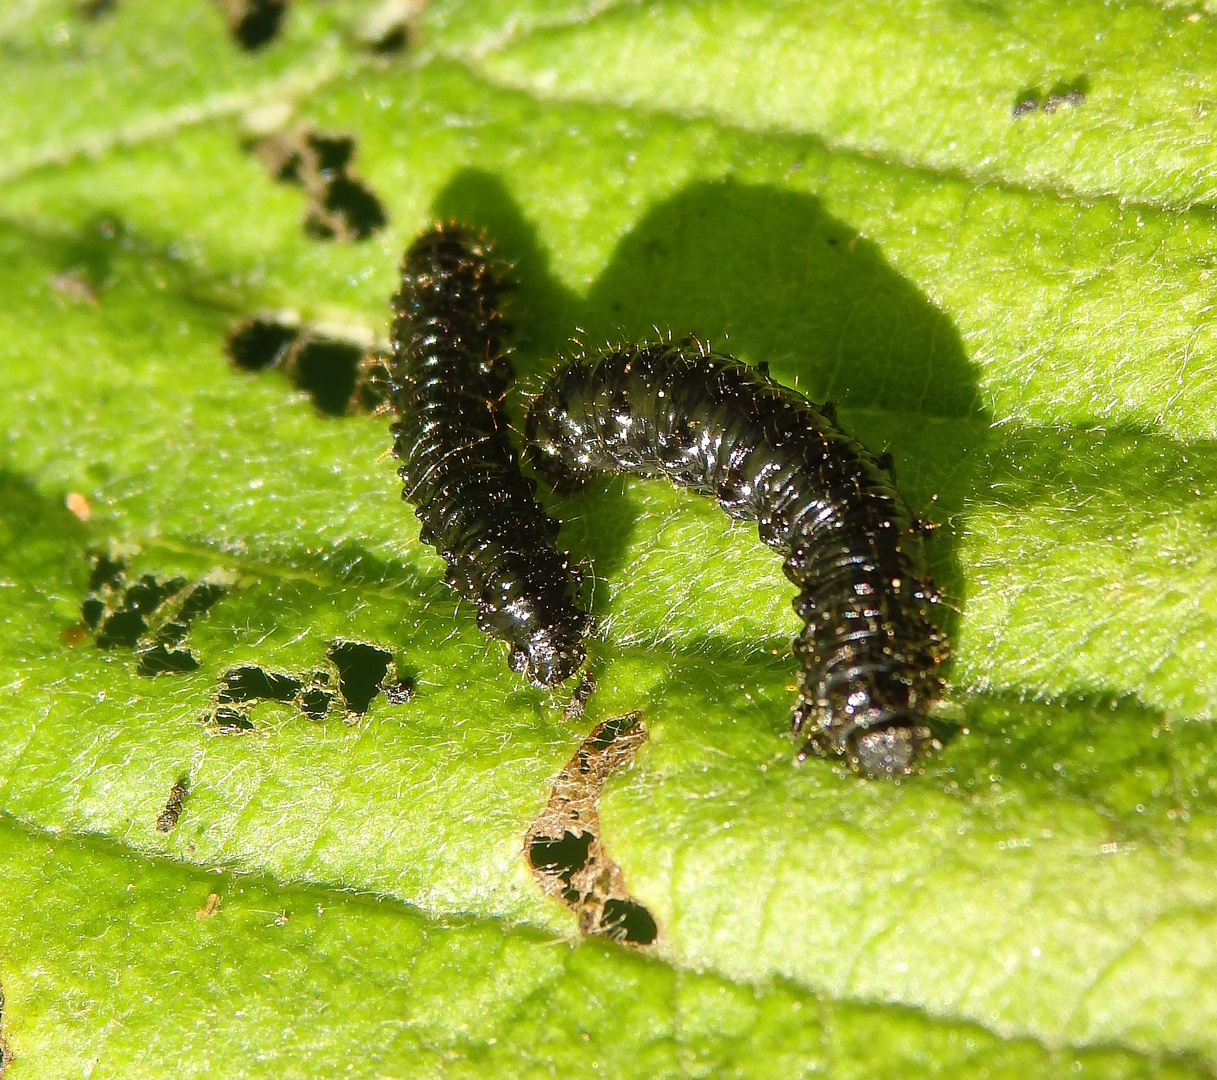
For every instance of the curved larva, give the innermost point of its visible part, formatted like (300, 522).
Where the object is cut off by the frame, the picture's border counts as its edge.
(460, 469)
(869, 651)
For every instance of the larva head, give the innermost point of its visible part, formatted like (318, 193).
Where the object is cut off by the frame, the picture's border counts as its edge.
(879, 720)
(888, 752)
(876, 720)
(550, 655)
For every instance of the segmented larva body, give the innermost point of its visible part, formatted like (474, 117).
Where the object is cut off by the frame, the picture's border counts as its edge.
(868, 652)
(460, 469)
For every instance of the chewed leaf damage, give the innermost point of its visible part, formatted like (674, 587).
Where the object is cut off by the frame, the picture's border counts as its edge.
(150, 614)
(338, 368)
(563, 845)
(340, 205)
(354, 674)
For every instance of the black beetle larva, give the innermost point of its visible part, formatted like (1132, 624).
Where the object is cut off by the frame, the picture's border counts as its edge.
(868, 653)
(461, 471)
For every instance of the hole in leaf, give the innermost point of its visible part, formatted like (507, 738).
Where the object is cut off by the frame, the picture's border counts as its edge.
(607, 733)
(252, 683)
(160, 659)
(373, 389)
(389, 27)
(562, 857)
(341, 206)
(572, 866)
(331, 153)
(168, 818)
(255, 23)
(341, 374)
(129, 606)
(91, 612)
(106, 571)
(348, 211)
(329, 371)
(201, 599)
(150, 592)
(172, 633)
(151, 615)
(628, 920)
(123, 629)
(361, 672)
(260, 342)
(315, 702)
(229, 721)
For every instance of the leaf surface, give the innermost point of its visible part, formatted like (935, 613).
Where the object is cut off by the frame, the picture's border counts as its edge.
(1016, 308)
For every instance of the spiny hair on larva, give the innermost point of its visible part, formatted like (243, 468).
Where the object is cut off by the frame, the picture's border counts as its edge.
(869, 652)
(460, 468)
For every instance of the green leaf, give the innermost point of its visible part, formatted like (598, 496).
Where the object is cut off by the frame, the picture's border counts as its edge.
(1016, 307)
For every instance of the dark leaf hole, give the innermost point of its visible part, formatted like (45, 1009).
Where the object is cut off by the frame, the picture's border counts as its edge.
(573, 866)
(329, 371)
(340, 205)
(200, 600)
(247, 684)
(97, 9)
(139, 601)
(255, 23)
(392, 40)
(389, 27)
(564, 857)
(610, 731)
(258, 343)
(315, 702)
(106, 571)
(331, 153)
(160, 659)
(348, 211)
(341, 376)
(229, 721)
(151, 614)
(123, 629)
(91, 611)
(252, 683)
(361, 672)
(628, 920)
